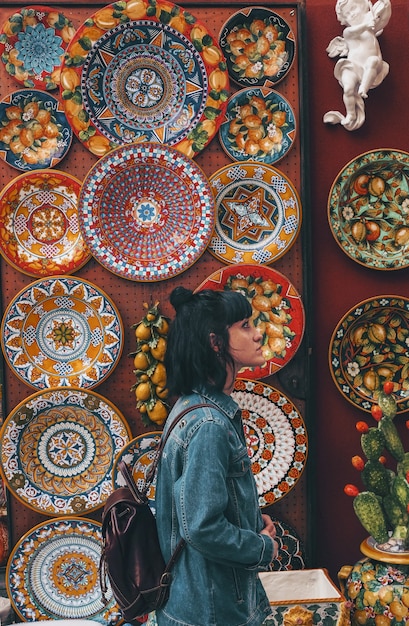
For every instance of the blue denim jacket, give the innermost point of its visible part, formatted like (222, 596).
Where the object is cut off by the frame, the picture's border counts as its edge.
(206, 493)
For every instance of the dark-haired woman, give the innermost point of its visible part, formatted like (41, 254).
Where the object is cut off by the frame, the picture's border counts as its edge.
(205, 490)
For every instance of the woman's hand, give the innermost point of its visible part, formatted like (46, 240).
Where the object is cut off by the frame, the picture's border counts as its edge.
(270, 529)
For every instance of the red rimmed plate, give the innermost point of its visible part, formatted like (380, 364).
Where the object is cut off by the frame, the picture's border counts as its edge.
(32, 45)
(137, 71)
(277, 311)
(276, 438)
(39, 228)
(259, 46)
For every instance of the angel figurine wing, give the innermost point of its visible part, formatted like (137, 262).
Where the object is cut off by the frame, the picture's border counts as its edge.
(337, 47)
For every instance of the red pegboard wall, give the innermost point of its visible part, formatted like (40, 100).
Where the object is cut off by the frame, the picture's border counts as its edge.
(129, 295)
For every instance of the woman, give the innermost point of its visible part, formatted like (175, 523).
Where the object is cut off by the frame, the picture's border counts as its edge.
(205, 490)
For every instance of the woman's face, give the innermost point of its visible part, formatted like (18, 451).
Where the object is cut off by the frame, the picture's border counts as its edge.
(245, 344)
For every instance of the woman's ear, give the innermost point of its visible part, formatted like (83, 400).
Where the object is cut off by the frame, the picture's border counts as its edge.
(214, 342)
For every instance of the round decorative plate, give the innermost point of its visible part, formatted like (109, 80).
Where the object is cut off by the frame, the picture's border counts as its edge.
(57, 449)
(258, 213)
(368, 209)
(370, 345)
(62, 331)
(146, 212)
(259, 46)
(290, 549)
(52, 573)
(137, 71)
(39, 228)
(34, 132)
(259, 125)
(32, 45)
(139, 454)
(276, 438)
(277, 311)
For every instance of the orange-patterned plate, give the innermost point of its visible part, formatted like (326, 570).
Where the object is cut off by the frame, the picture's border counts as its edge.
(39, 227)
(277, 311)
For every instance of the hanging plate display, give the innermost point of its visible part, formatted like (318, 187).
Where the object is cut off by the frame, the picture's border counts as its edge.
(57, 449)
(290, 548)
(277, 311)
(144, 72)
(53, 573)
(139, 454)
(368, 209)
(62, 331)
(39, 229)
(258, 213)
(259, 125)
(276, 438)
(34, 132)
(369, 346)
(259, 46)
(32, 45)
(146, 212)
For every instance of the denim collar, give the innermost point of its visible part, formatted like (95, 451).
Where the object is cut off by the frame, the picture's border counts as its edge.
(224, 402)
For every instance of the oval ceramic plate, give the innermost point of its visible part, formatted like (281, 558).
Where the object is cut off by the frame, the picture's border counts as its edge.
(146, 212)
(39, 229)
(53, 573)
(34, 132)
(259, 46)
(32, 45)
(62, 331)
(368, 209)
(368, 346)
(136, 71)
(291, 554)
(139, 454)
(259, 125)
(277, 311)
(258, 213)
(276, 438)
(57, 449)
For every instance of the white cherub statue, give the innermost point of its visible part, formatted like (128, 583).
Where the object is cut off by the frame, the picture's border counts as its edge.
(361, 66)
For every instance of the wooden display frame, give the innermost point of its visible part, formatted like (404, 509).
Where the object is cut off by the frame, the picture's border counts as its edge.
(295, 379)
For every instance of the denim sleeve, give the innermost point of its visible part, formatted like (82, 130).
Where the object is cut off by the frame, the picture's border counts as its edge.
(209, 494)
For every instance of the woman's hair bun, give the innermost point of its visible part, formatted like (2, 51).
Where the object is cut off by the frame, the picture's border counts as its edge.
(180, 296)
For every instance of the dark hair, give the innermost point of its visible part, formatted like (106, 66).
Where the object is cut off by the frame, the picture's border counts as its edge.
(190, 357)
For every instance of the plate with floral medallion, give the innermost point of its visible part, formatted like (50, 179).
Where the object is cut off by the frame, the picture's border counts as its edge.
(368, 209)
(278, 311)
(62, 331)
(34, 131)
(369, 345)
(57, 449)
(137, 71)
(39, 228)
(259, 45)
(53, 573)
(146, 212)
(259, 125)
(32, 45)
(258, 213)
(276, 438)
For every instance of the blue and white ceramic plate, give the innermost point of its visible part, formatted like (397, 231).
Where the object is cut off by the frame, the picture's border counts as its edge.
(57, 449)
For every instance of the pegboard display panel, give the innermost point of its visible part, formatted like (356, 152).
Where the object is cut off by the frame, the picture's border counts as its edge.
(129, 295)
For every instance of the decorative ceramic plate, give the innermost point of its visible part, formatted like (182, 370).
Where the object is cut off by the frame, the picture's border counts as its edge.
(39, 228)
(137, 71)
(368, 209)
(258, 213)
(276, 437)
(290, 549)
(34, 132)
(32, 45)
(370, 345)
(62, 331)
(277, 311)
(146, 212)
(259, 46)
(57, 449)
(259, 125)
(52, 573)
(138, 454)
